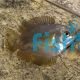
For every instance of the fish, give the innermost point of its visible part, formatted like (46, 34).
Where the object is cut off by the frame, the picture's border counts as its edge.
(40, 24)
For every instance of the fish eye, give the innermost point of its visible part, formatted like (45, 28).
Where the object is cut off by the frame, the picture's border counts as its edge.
(67, 33)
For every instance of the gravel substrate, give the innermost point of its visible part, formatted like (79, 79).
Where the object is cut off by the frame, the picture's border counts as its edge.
(11, 67)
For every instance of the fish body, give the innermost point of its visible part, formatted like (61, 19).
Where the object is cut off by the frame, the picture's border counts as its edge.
(38, 25)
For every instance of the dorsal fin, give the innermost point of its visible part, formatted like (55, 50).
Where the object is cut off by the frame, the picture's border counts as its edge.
(28, 28)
